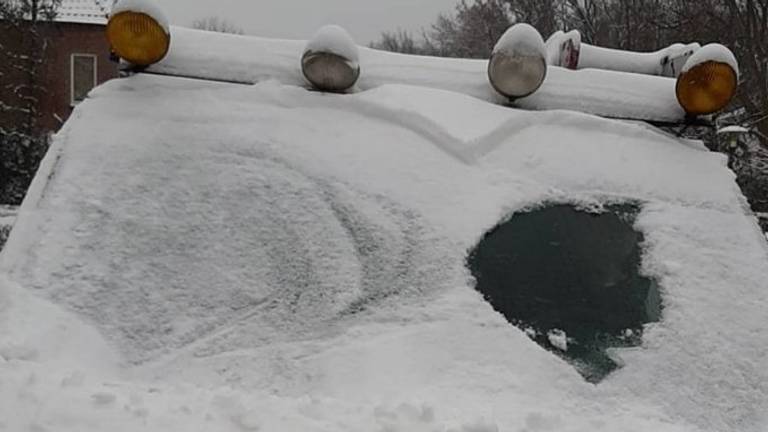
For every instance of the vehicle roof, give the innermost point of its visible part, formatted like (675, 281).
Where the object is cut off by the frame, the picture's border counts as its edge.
(237, 248)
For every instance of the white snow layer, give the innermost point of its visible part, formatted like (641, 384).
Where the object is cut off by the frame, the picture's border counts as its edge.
(521, 40)
(554, 45)
(733, 129)
(648, 63)
(334, 40)
(251, 59)
(558, 339)
(148, 7)
(712, 52)
(202, 256)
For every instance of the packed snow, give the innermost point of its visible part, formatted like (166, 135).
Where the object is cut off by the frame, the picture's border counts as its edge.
(148, 7)
(251, 60)
(713, 52)
(521, 40)
(210, 256)
(334, 40)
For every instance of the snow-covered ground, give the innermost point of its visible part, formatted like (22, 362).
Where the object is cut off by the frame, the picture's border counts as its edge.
(217, 257)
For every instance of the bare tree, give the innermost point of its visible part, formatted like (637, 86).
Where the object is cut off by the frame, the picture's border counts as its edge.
(472, 31)
(216, 24)
(23, 50)
(403, 42)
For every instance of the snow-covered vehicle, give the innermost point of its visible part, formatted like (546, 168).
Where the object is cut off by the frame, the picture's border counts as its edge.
(203, 255)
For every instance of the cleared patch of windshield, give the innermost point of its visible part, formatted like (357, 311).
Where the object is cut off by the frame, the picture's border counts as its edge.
(570, 279)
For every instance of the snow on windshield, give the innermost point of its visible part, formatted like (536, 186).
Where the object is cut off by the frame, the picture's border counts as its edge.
(267, 258)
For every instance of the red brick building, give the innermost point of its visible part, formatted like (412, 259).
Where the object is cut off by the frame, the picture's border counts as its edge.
(76, 60)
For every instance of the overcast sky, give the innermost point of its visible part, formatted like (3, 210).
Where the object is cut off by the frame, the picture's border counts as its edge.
(299, 19)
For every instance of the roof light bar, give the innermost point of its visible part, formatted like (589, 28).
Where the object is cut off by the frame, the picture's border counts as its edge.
(138, 32)
(514, 73)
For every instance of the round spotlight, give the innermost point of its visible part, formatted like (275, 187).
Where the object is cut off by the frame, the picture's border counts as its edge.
(330, 60)
(518, 65)
(328, 71)
(706, 88)
(137, 37)
(708, 81)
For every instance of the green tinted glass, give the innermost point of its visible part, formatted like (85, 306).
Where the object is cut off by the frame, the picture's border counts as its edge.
(571, 279)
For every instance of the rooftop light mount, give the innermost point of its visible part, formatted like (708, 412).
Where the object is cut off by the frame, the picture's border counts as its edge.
(681, 84)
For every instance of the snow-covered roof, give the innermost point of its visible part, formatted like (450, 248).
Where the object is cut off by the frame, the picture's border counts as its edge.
(84, 11)
(270, 258)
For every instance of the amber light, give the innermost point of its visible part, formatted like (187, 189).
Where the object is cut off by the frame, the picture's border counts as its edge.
(706, 88)
(137, 38)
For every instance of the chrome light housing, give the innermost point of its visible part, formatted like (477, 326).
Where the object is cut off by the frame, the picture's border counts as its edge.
(330, 60)
(518, 65)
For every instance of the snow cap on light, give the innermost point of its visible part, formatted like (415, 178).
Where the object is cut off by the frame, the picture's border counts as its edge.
(138, 32)
(518, 64)
(521, 39)
(335, 40)
(712, 53)
(331, 60)
(147, 7)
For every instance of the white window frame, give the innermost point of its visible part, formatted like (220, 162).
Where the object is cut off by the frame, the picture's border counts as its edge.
(72, 101)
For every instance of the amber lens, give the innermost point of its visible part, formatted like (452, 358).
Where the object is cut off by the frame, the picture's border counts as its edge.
(137, 38)
(706, 88)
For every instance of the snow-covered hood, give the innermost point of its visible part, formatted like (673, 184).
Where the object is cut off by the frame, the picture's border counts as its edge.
(209, 256)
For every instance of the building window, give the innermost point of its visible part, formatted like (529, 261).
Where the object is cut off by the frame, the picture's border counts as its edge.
(82, 76)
